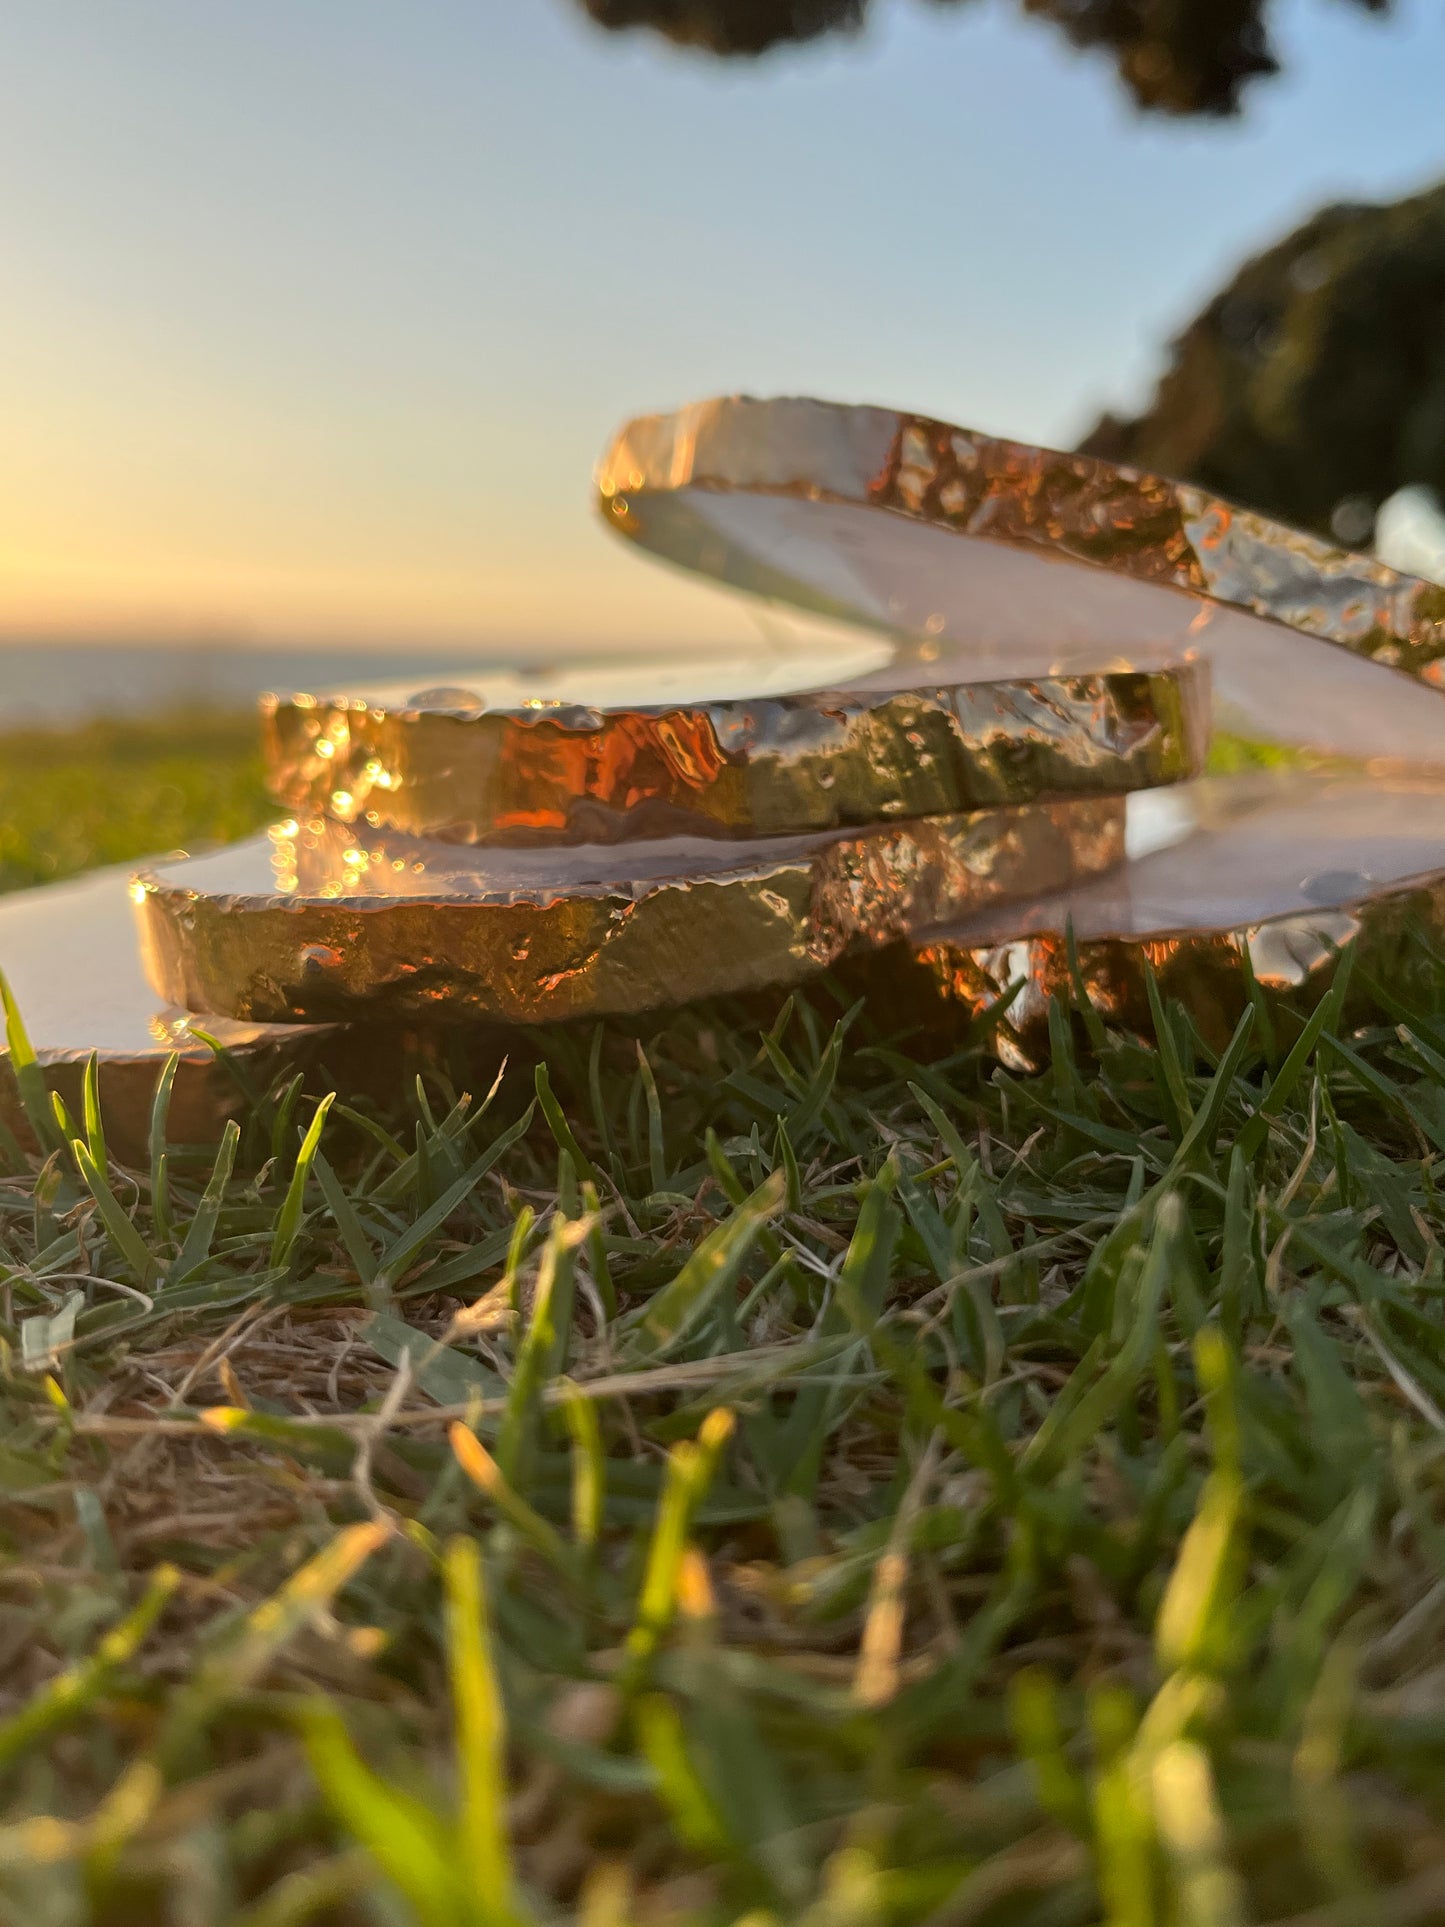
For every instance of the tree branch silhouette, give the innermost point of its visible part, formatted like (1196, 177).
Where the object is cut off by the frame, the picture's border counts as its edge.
(1181, 57)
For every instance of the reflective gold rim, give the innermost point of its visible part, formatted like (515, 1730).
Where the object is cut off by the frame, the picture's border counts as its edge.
(780, 766)
(1136, 525)
(608, 947)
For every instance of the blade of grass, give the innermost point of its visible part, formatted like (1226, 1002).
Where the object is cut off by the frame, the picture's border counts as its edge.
(1322, 1020)
(713, 1267)
(71, 1692)
(589, 1467)
(288, 1219)
(481, 1736)
(656, 1150)
(159, 1163)
(90, 1110)
(486, 1475)
(559, 1127)
(347, 1220)
(121, 1231)
(200, 1232)
(540, 1341)
(407, 1840)
(691, 1467)
(25, 1069)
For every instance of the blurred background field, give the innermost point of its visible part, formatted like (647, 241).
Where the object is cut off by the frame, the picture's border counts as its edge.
(106, 791)
(102, 792)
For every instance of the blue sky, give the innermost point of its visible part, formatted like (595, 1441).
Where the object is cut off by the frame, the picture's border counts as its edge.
(317, 312)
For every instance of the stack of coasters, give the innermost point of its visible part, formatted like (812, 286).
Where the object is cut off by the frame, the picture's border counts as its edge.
(579, 844)
(1026, 560)
(488, 854)
(1010, 714)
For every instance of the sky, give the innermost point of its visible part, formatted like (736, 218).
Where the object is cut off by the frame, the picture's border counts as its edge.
(315, 314)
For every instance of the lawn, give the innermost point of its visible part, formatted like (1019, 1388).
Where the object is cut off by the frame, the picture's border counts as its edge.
(111, 790)
(755, 1467)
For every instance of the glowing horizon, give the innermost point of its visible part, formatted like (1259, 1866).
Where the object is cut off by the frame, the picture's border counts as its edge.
(317, 322)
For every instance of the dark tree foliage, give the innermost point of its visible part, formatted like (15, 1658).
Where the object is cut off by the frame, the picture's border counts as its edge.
(1174, 56)
(732, 26)
(1313, 386)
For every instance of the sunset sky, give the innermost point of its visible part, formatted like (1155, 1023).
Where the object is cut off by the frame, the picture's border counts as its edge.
(316, 313)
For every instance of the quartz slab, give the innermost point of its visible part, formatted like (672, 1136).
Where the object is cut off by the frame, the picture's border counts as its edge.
(314, 922)
(986, 558)
(583, 753)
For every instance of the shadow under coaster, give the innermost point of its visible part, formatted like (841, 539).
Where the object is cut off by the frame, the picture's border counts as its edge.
(1270, 878)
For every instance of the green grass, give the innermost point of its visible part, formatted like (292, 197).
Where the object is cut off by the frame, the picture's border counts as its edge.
(787, 1473)
(73, 799)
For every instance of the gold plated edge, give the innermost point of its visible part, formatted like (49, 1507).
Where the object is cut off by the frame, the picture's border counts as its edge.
(814, 761)
(1135, 524)
(604, 948)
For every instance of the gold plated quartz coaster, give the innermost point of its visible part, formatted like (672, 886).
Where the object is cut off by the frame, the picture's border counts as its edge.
(583, 754)
(986, 558)
(314, 922)
(1274, 877)
(69, 954)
